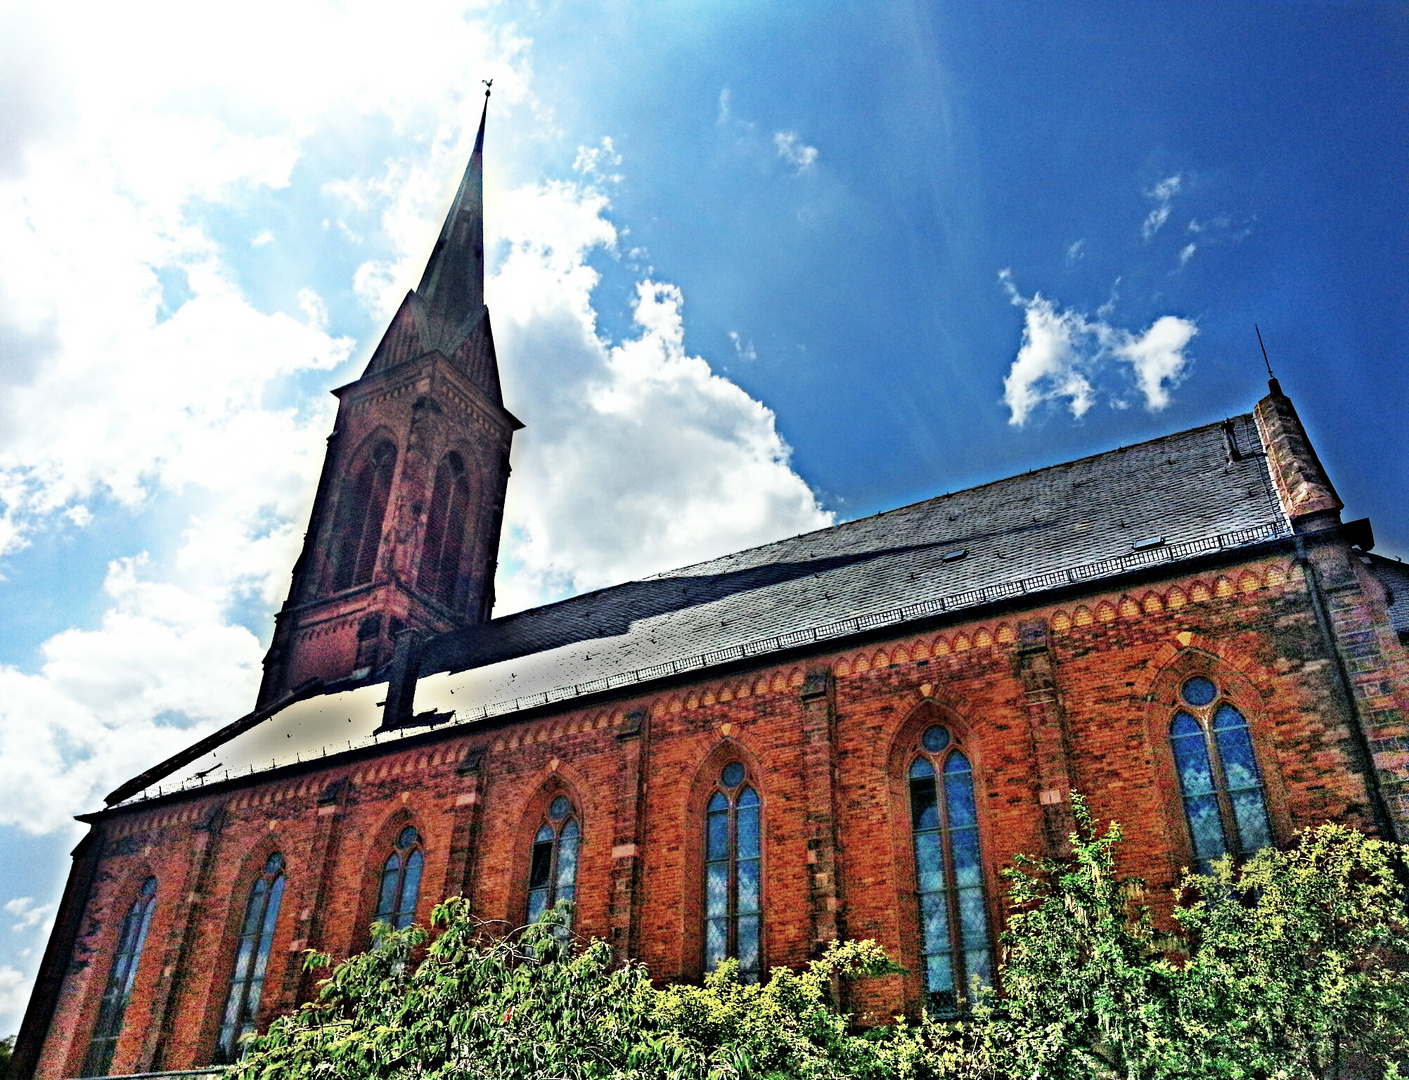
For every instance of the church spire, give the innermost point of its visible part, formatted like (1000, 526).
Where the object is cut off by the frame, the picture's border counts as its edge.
(452, 286)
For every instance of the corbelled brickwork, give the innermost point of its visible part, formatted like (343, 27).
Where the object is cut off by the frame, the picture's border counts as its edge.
(1078, 695)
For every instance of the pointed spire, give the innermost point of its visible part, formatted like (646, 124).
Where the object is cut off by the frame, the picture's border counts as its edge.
(452, 286)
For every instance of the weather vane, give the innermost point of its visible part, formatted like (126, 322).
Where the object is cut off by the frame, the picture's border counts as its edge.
(488, 83)
(1264, 351)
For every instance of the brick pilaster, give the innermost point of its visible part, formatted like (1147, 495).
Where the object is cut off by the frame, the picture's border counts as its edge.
(181, 941)
(622, 911)
(320, 880)
(1051, 744)
(1376, 674)
(464, 829)
(819, 776)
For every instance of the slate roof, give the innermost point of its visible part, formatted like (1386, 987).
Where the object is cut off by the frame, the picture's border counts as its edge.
(1081, 520)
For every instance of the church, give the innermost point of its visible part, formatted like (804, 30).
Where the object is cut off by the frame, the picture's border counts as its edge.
(845, 734)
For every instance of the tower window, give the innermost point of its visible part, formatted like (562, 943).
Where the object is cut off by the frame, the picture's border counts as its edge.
(552, 872)
(955, 943)
(120, 980)
(401, 881)
(251, 960)
(439, 573)
(733, 874)
(362, 515)
(1224, 801)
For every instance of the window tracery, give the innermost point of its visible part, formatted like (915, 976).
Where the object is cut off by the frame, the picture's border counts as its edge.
(401, 881)
(121, 978)
(733, 874)
(552, 872)
(251, 960)
(1225, 804)
(955, 939)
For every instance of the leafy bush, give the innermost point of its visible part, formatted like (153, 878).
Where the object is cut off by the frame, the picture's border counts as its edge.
(1290, 967)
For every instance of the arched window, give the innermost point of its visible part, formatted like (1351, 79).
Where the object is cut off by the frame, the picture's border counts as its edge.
(120, 979)
(1218, 775)
(733, 877)
(552, 874)
(360, 518)
(251, 960)
(439, 574)
(955, 943)
(401, 881)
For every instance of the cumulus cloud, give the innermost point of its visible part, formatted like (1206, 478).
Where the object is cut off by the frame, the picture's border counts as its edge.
(637, 457)
(137, 373)
(794, 151)
(1163, 195)
(1067, 356)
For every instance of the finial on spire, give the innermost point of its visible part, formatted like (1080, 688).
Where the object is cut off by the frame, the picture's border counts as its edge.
(1272, 383)
(488, 85)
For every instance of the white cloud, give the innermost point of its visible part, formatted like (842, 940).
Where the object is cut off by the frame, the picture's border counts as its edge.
(14, 995)
(794, 151)
(1065, 356)
(1163, 194)
(30, 914)
(725, 98)
(1186, 253)
(118, 386)
(1076, 251)
(637, 457)
(594, 161)
(744, 350)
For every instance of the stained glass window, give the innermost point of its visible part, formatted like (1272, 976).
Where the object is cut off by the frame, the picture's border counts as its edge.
(552, 874)
(251, 960)
(120, 979)
(733, 875)
(955, 942)
(401, 881)
(1224, 801)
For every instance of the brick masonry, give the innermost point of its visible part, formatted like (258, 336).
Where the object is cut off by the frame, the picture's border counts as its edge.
(1076, 696)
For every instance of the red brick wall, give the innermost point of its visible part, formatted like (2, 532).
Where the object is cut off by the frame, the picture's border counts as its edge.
(1111, 665)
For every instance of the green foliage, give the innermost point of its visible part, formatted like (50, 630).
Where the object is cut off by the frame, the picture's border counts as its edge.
(1087, 991)
(1290, 967)
(1297, 962)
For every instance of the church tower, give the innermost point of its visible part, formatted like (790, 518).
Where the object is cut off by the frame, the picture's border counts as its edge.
(404, 532)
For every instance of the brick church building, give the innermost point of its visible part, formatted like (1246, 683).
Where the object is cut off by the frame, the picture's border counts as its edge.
(846, 734)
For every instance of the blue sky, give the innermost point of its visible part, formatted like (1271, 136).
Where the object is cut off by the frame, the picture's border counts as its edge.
(754, 267)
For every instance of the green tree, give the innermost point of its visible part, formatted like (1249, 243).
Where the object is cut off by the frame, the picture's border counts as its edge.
(1297, 960)
(1087, 990)
(1290, 967)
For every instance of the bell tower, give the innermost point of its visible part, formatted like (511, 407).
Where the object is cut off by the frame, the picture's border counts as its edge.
(405, 525)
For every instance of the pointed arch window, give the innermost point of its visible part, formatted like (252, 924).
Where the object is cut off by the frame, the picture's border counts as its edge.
(401, 881)
(251, 960)
(552, 874)
(733, 874)
(1225, 804)
(363, 512)
(955, 939)
(439, 573)
(121, 978)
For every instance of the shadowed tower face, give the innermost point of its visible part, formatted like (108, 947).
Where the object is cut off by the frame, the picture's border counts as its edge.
(405, 527)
